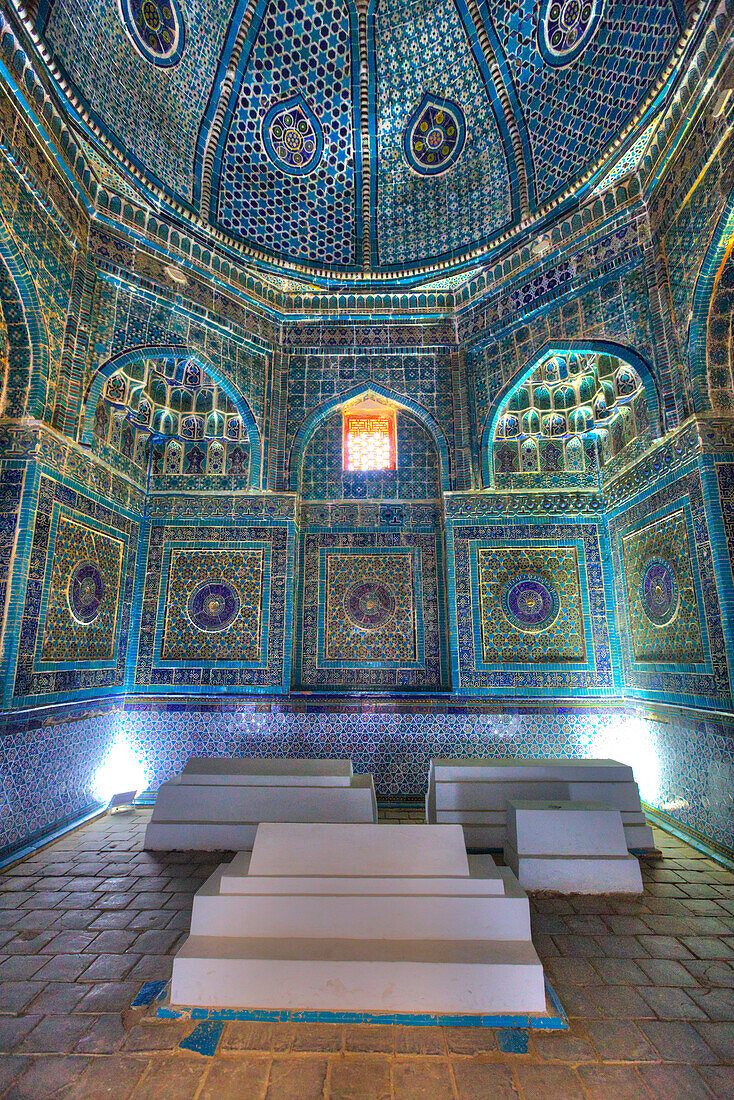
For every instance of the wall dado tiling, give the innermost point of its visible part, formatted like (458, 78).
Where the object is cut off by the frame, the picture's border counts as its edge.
(684, 765)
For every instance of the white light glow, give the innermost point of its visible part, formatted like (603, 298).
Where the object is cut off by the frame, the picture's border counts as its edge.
(121, 770)
(631, 741)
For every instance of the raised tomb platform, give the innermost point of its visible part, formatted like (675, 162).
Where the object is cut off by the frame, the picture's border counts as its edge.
(570, 847)
(373, 918)
(475, 793)
(217, 802)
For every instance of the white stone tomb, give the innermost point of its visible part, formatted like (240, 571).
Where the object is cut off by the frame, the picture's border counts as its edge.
(571, 847)
(377, 918)
(474, 793)
(217, 803)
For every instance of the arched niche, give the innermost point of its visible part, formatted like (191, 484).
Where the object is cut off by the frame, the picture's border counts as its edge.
(310, 424)
(493, 427)
(203, 364)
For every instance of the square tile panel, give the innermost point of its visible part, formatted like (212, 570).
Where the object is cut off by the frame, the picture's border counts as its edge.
(370, 612)
(213, 605)
(81, 610)
(530, 603)
(662, 607)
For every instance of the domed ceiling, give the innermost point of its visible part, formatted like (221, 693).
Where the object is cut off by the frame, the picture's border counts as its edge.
(384, 138)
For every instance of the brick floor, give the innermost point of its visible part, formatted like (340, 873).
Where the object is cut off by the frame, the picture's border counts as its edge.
(648, 985)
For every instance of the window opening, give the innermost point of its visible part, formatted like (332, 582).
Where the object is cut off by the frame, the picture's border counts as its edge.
(369, 441)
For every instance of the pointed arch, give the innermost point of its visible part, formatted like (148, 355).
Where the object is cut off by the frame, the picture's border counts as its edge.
(28, 364)
(318, 415)
(559, 347)
(177, 351)
(704, 293)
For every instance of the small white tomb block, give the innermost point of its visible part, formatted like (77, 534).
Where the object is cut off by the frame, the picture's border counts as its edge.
(569, 847)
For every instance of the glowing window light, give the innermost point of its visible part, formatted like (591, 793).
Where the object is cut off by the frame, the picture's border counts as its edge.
(121, 770)
(369, 441)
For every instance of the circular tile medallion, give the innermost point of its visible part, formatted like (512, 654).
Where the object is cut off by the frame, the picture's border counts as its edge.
(85, 593)
(660, 592)
(156, 29)
(213, 606)
(530, 603)
(566, 27)
(369, 604)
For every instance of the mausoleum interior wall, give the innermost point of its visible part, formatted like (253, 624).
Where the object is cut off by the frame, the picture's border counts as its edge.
(184, 559)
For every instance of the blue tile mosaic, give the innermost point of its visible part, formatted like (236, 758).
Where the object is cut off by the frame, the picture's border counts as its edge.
(178, 537)
(572, 109)
(302, 206)
(427, 214)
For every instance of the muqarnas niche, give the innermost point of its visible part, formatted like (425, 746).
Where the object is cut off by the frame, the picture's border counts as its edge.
(662, 606)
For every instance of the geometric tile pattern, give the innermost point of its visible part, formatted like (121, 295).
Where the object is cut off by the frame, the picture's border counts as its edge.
(102, 529)
(708, 683)
(412, 44)
(116, 80)
(369, 607)
(224, 624)
(392, 607)
(662, 608)
(213, 605)
(572, 111)
(510, 617)
(310, 214)
(530, 605)
(69, 634)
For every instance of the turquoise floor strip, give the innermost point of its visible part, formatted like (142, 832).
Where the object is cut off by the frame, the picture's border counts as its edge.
(554, 1019)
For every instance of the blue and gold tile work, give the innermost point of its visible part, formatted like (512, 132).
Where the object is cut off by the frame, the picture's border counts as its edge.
(216, 605)
(124, 88)
(213, 605)
(530, 605)
(532, 599)
(372, 611)
(662, 606)
(419, 212)
(572, 104)
(416, 477)
(74, 620)
(370, 614)
(658, 580)
(83, 594)
(305, 206)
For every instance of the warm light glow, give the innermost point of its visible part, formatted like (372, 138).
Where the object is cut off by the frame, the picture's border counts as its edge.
(121, 771)
(369, 441)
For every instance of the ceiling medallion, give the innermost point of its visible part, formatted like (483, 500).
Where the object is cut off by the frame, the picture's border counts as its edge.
(156, 29)
(566, 27)
(434, 136)
(293, 137)
(530, 603)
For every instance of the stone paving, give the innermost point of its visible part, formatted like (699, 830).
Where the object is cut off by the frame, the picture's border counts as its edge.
(648, 985)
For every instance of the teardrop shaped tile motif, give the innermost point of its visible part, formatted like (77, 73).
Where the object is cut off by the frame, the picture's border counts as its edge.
(293, 137)
(434, 136)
